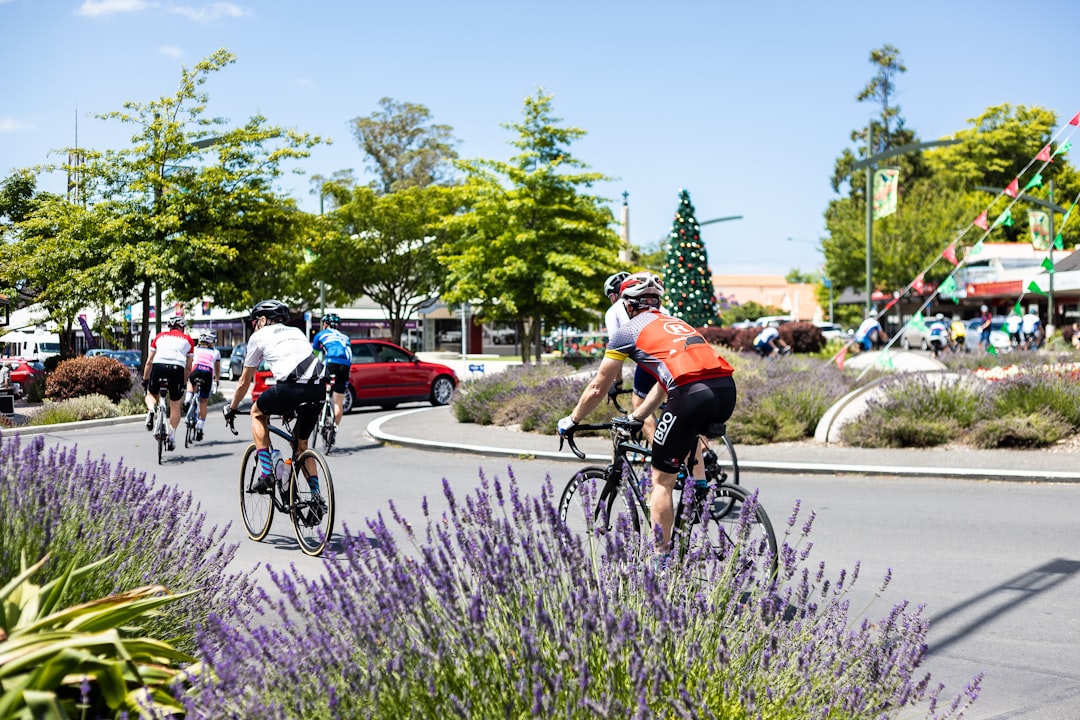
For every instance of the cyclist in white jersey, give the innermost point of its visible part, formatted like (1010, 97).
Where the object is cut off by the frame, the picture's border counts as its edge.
(615, 317)
(206, 368)
(170, 358)
(299, 384)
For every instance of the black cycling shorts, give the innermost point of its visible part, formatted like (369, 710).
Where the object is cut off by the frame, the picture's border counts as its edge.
(206, 378)
(174, 377)
(689, 411)
(283, 398)
(340, 374)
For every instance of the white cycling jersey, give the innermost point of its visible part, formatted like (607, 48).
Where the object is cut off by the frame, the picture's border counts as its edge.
(283, 348)
(172, 347)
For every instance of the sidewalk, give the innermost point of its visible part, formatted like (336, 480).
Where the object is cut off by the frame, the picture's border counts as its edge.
(436, 429)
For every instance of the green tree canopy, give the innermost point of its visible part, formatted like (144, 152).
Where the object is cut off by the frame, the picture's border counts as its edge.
(532, 246)
(405, 148)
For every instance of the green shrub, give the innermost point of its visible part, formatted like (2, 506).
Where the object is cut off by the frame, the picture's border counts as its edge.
(900, 431)
(34, 391)
(1019, 431)
(87, 407)
(1039, 393)
(478, 401)
(79, 376)
(769, 422)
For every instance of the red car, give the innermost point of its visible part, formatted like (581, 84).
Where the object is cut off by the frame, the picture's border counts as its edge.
(386, 375)
(23, 371)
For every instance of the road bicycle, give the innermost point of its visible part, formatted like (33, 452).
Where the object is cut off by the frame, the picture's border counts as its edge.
(726, 463)
(714, 520)
(309, 506)
(325, 428)
(191, 417)
(161, 417)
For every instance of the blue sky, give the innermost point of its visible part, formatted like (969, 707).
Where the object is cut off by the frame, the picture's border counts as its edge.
(746, 105)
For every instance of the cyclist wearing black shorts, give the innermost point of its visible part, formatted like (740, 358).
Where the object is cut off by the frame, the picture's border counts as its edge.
(696, 383)
(299, 378)
(615, 317)
(337, 354)
(205, 368)
(169, 358)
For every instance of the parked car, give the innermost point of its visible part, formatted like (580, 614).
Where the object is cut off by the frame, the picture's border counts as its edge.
(23, 372)
(386, 375)
(915, 337)
(831, 330)
(999, 335)
(777, 320)
(236, 361)
(131, 359)
(225, 350)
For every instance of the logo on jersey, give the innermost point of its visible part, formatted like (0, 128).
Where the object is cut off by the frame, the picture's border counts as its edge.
(663, 427)
(677, 327)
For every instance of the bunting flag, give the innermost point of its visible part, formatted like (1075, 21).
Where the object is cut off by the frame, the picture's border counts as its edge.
(975, 249)
(1049, 265)
(1034, 287)
(949, 290)
(1059, 244)
(1075, 120)
(1034, 182)
(1064, 148)
(1012, 189)
(950, 252)
(919, 284)
(918, 322)
(1044, 154)
(885, 361)
(1004, 218)
(886, 181)
(1039, 229)
(840, 358)
(991, 349)
(1067, 214)
(981, 221)
(1017, 310)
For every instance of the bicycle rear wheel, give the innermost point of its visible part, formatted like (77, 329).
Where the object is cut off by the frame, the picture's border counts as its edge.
(722, 469)
(189, 431)
(256, 508)
(590, 507)
(160, 433)
(312, 511)
(732, 527)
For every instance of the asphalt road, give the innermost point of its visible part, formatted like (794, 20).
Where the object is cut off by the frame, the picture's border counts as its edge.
(996, 564)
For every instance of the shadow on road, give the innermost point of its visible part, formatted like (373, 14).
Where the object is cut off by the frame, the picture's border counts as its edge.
(1004, 598)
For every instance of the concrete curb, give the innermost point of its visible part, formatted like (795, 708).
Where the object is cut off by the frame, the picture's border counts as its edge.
(376, 431)
(31, 430)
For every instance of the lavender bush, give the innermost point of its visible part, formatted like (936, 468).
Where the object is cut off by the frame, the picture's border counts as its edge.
(495, 610)
(79, 511)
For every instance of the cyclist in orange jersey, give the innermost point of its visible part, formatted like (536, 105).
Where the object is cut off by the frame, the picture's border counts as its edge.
(694, 384)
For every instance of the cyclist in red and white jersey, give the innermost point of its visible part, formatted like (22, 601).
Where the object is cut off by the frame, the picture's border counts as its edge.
(695, 383)
(170, 358)
(206, 368)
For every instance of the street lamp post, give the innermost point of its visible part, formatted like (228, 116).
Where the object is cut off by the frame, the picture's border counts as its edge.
(870, 163)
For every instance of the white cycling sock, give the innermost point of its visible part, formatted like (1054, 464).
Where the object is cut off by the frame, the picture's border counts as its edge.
(199, 424)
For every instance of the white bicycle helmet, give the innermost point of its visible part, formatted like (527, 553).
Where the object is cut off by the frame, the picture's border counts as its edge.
(642, 288)
(177, 322)
(612, 284)
(207, 338)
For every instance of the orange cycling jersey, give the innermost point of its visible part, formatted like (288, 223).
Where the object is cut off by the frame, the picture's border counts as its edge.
(669, 349)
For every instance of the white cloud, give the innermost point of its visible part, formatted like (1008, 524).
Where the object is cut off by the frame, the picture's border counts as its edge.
(96, 8)
(9, 124)
(209, 13)
(171, 51)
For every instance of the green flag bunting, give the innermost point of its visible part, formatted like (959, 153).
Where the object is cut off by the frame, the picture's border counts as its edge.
(949, 290)
(918, 322)
(1049, 265)
(975, 249)
(1059, 244)
(1004, 218)
(1034, 287)
(991, 349)
(885, 361)
(1017, 310)
(1063, 148)
(1034, 182)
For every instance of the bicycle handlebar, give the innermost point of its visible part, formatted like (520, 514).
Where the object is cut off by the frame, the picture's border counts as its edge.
(568, 436)
(230, 419)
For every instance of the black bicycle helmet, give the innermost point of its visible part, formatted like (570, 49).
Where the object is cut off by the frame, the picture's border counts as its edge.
(274, 311)
(331, 319)
(611, 285)
(177, 322)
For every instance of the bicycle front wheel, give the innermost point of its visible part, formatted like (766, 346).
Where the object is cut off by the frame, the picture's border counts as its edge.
(160, 433)
(256, 508)
(590, 507)
(733, 527)
(311, 502)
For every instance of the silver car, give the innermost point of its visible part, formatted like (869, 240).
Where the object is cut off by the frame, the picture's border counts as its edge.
(999, 335)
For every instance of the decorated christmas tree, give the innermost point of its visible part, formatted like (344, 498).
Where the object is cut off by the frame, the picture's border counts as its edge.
(687, 278)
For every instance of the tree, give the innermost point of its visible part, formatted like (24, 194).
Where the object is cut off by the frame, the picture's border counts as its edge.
(690, 295)
(189, 208)
(532, 247)
(386, 247)
(405, 148)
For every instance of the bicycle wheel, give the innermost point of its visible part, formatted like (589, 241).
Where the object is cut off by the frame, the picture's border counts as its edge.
(743, 533)
(189, 430)
(326, 427)
(720, 469)
(160, 433)
(312, 512)
(590, 508)
(256, 508)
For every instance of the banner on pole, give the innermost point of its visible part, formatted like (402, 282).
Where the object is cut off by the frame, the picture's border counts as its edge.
(1039, 229)
(886, 181)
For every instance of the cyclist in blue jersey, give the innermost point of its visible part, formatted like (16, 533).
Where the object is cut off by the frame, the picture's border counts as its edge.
(337, 354)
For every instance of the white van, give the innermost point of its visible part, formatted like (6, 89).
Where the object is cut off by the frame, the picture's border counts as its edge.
(32, 346)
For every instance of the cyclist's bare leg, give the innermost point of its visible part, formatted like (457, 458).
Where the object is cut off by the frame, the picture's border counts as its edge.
(204, 403)
(174, 413)
(260, 433)
(151, 401)
(662, 508)
(339, 407)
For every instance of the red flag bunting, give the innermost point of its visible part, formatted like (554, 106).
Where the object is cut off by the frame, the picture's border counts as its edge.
(1075, 120)
(840, 358)
(919, 285)
(950, 252)
(1044, 154)
(1013, 189)
(981, 221)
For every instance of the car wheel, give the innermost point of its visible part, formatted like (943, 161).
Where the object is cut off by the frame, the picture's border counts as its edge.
(904, 343)
(925, 345)
(442, 390)
(347, 403)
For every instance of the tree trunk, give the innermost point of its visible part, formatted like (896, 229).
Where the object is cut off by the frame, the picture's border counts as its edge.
(144, 328)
